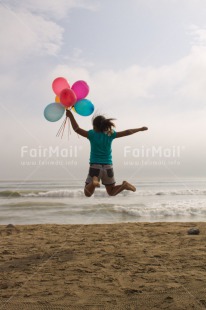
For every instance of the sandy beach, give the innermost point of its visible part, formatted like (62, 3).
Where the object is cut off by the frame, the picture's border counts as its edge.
(115, 266)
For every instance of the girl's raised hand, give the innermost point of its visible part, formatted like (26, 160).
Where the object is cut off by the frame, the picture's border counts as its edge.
(68, 113)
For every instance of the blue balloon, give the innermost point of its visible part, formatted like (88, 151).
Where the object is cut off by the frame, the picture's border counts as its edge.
(84, 107)
(54, 111)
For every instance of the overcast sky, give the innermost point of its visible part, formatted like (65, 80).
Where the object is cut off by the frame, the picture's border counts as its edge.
(145, 63)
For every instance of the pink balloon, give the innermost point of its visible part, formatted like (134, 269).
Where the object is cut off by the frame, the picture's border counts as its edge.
(81, 89)
(68, 97)
(59, 84)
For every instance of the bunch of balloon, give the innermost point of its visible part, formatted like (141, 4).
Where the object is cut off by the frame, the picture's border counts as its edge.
(68, 98)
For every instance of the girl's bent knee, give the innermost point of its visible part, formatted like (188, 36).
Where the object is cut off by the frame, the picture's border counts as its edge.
(110, 192)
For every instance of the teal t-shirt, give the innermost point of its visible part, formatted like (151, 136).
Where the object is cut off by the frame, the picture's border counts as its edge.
(101, 150)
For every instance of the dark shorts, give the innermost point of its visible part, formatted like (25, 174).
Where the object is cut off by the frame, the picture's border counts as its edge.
(104, 173)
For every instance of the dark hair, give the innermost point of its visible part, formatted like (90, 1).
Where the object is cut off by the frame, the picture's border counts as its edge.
(103, 124)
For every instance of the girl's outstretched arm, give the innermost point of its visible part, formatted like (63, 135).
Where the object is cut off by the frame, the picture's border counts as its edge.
(75, 126)
(129, 132)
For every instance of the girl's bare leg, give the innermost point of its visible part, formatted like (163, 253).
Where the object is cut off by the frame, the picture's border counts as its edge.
(114, 190)
(90, 187)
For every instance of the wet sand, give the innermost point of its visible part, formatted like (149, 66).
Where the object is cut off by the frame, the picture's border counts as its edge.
(114, 266)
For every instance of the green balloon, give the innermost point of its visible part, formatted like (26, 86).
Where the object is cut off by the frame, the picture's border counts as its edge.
(84, 107)
(54, 111)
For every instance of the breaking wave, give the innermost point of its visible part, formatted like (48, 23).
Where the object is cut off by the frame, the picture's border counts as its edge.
(100, 193)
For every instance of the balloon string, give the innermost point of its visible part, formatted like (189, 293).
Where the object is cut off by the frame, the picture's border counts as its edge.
(64, 127)
(60, 129)
(69, 129)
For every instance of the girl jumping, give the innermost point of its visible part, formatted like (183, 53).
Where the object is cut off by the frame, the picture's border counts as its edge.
(101, 168)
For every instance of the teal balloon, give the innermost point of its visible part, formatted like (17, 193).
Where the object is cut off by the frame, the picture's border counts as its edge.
(84, 107)
(54, 111)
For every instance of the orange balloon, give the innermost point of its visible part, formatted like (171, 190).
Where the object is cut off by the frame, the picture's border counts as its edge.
(57, 99)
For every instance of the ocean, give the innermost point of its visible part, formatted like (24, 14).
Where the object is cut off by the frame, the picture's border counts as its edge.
(63, 202)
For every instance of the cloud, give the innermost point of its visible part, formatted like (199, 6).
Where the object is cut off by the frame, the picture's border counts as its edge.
(198, 35)
(52, 8)
(180, 85)
(31, 29)
(25, 35)
(168, 5)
